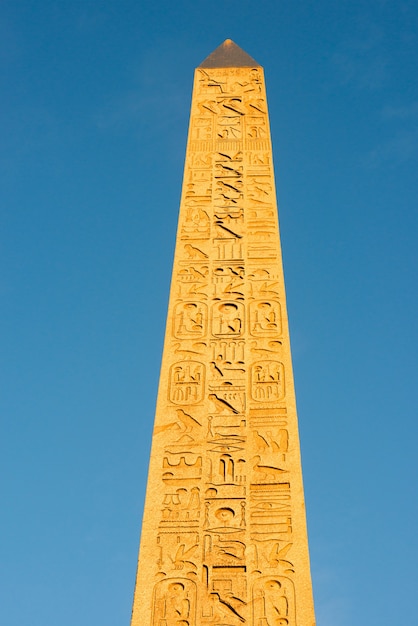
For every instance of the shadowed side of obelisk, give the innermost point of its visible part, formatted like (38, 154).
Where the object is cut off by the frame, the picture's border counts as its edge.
(224, 533)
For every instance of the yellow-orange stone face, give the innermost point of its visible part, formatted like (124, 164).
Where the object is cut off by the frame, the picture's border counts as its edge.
(224, 537)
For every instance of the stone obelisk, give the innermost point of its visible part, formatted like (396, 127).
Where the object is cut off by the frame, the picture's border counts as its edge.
(224, 538)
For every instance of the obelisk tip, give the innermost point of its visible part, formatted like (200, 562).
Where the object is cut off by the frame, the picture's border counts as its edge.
(228, 54)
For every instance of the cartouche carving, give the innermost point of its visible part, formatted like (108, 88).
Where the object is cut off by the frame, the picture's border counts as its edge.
(190, 320)
(228, 319)
(186, 382)
(174, 603)
(273, 602)
(265, 318)
(267, 381)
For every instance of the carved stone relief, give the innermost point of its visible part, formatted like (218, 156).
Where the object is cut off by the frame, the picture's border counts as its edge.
(265, 316)
(273, 602)
(267, 381)
(190, 319)
(197, 223)
(224, 529)
(181, 472)
(228, 319)
(186, 382)
(174, 603)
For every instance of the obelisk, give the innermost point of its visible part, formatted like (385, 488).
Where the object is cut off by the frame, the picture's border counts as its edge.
(224, 538)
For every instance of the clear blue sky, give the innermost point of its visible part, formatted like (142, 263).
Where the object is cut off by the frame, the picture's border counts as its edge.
(94, 114)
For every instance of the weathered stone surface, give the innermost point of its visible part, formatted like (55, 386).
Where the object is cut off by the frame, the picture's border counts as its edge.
(224, 533)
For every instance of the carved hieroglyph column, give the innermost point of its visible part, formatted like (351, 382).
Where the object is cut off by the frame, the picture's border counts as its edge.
(224, 532)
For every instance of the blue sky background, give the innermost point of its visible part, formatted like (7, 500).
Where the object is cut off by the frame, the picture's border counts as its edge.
(94, 115)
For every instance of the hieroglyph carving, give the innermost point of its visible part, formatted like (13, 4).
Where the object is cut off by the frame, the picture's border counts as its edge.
(224, 505)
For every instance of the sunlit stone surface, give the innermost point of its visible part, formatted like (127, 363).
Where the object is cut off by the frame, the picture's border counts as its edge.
(224, 532)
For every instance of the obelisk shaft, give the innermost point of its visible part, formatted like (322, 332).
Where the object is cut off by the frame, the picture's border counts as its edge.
(224, 533)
